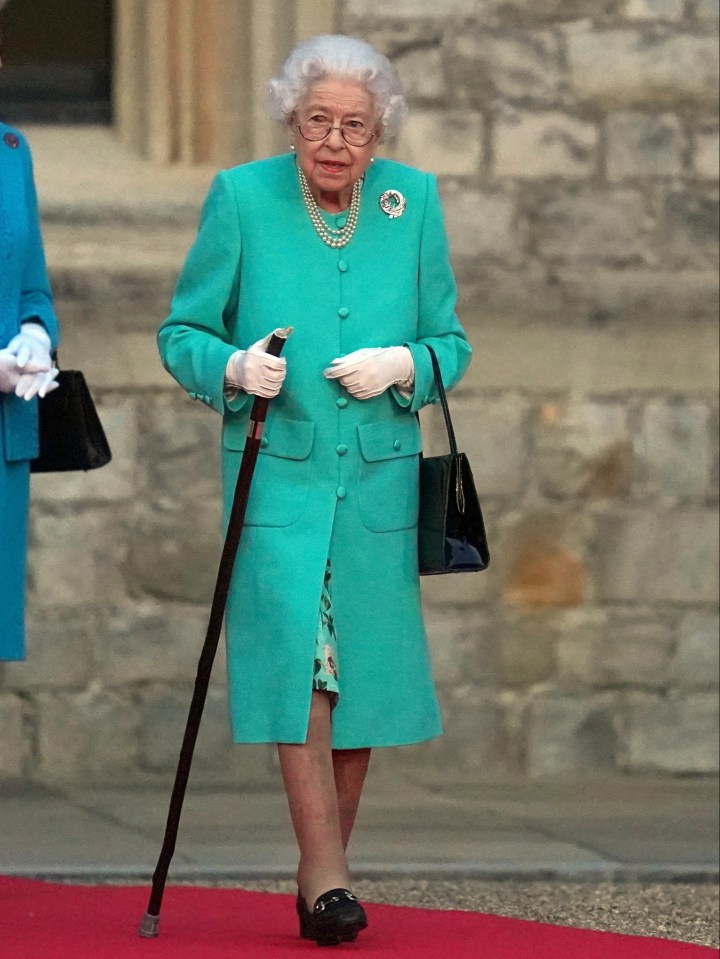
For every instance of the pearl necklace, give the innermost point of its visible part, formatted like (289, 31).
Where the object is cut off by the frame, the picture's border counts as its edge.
(336, 239)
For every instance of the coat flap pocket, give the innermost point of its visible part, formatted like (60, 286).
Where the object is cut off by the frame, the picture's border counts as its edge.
(385, 441)
(289, 439)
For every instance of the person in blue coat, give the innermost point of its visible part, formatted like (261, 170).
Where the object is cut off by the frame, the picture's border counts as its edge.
(327, 652)
(28, 334)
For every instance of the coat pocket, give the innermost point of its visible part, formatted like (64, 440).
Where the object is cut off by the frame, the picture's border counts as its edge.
(388, 482)
(279, 490)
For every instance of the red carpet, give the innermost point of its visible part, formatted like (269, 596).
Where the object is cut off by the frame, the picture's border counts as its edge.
(47, 921)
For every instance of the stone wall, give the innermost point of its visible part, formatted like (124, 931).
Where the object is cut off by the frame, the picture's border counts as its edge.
(577, 152)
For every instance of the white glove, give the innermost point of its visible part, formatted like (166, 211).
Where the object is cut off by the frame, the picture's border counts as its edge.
(31, 347)
(26, 365)
(256, 371)
(9, 372)
(36, 384)
(369, 372)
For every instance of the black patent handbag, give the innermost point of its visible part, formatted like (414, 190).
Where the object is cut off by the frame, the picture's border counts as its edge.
(451, 529)
(71, 434)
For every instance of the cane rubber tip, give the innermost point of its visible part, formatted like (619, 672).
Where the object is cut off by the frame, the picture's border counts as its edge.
(149, 926)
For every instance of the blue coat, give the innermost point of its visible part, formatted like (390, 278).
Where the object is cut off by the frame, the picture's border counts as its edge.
(24, 295)
(336, 477)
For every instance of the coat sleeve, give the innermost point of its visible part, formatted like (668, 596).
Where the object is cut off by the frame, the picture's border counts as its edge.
(36, 301)
(438, 325)
(193, 341)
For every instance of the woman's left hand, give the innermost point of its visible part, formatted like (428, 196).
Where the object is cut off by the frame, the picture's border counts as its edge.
(36, 384)
(369, 372)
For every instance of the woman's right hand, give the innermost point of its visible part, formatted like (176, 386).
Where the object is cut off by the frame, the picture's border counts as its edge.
(256, 371)
(22, 384)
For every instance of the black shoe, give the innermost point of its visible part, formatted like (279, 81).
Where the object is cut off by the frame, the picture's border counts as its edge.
(336, 917)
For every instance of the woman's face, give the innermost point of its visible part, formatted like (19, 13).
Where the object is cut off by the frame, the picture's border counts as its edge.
(332, 166)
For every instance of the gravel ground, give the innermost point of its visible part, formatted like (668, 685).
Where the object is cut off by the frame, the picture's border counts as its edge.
(681, 911)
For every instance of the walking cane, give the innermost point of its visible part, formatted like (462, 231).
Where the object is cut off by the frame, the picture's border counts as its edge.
(150, 921)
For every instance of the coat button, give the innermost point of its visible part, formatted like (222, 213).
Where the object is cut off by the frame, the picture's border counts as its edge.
(12, 141)
(343, 266)
(341, 449)
(341, 492)
(343, 312)
(341, 402)
(340, 221)
(396, 445)
(264, 442)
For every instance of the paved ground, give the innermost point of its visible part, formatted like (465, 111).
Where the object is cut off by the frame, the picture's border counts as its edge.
(633, 855)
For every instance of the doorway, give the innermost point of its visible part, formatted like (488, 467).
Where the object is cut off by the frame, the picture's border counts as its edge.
(57, 60)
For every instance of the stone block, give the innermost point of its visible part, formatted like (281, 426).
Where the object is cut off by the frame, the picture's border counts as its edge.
(675, 449)
(89, 736)
(475, 739)
(464, 592)
(658, 556)
(76, 558)
(641, 145)
(483, 225)
(583, 449)
(706, 157)
(116, 481)
(623, 650)
(59, 650)
(655, 9)
(150, 642)
(696, 663)
(623, 68)
(14, 744)
(461, 646)
(180, 451)
(445, 142)
(163, 715)
(505, 297)
(115, 360)
(175, 551)
(526, 12)
(493, 431)
(599, 226)
(645, 299)
(545, 144)
(526, 642)
(707, 9)
(410, 9)
(540, 559)
(570, 735)
(421, 74)
(692, 225)
(488, 66)
(671, 734)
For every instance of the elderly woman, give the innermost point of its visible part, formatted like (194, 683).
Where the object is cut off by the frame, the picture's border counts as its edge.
(327, 653)
(28, 333)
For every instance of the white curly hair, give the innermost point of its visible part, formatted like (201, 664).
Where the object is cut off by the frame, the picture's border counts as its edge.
(338, 56)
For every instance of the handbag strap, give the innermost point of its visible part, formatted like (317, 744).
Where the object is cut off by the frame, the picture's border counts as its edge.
(443, 400)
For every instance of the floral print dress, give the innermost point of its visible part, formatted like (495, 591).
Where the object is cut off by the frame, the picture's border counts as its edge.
(325, 670)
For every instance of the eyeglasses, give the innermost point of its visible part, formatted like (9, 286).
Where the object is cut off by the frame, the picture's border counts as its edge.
(354, 132)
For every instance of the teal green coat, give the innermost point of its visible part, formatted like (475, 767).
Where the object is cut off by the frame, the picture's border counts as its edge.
(337, 477)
